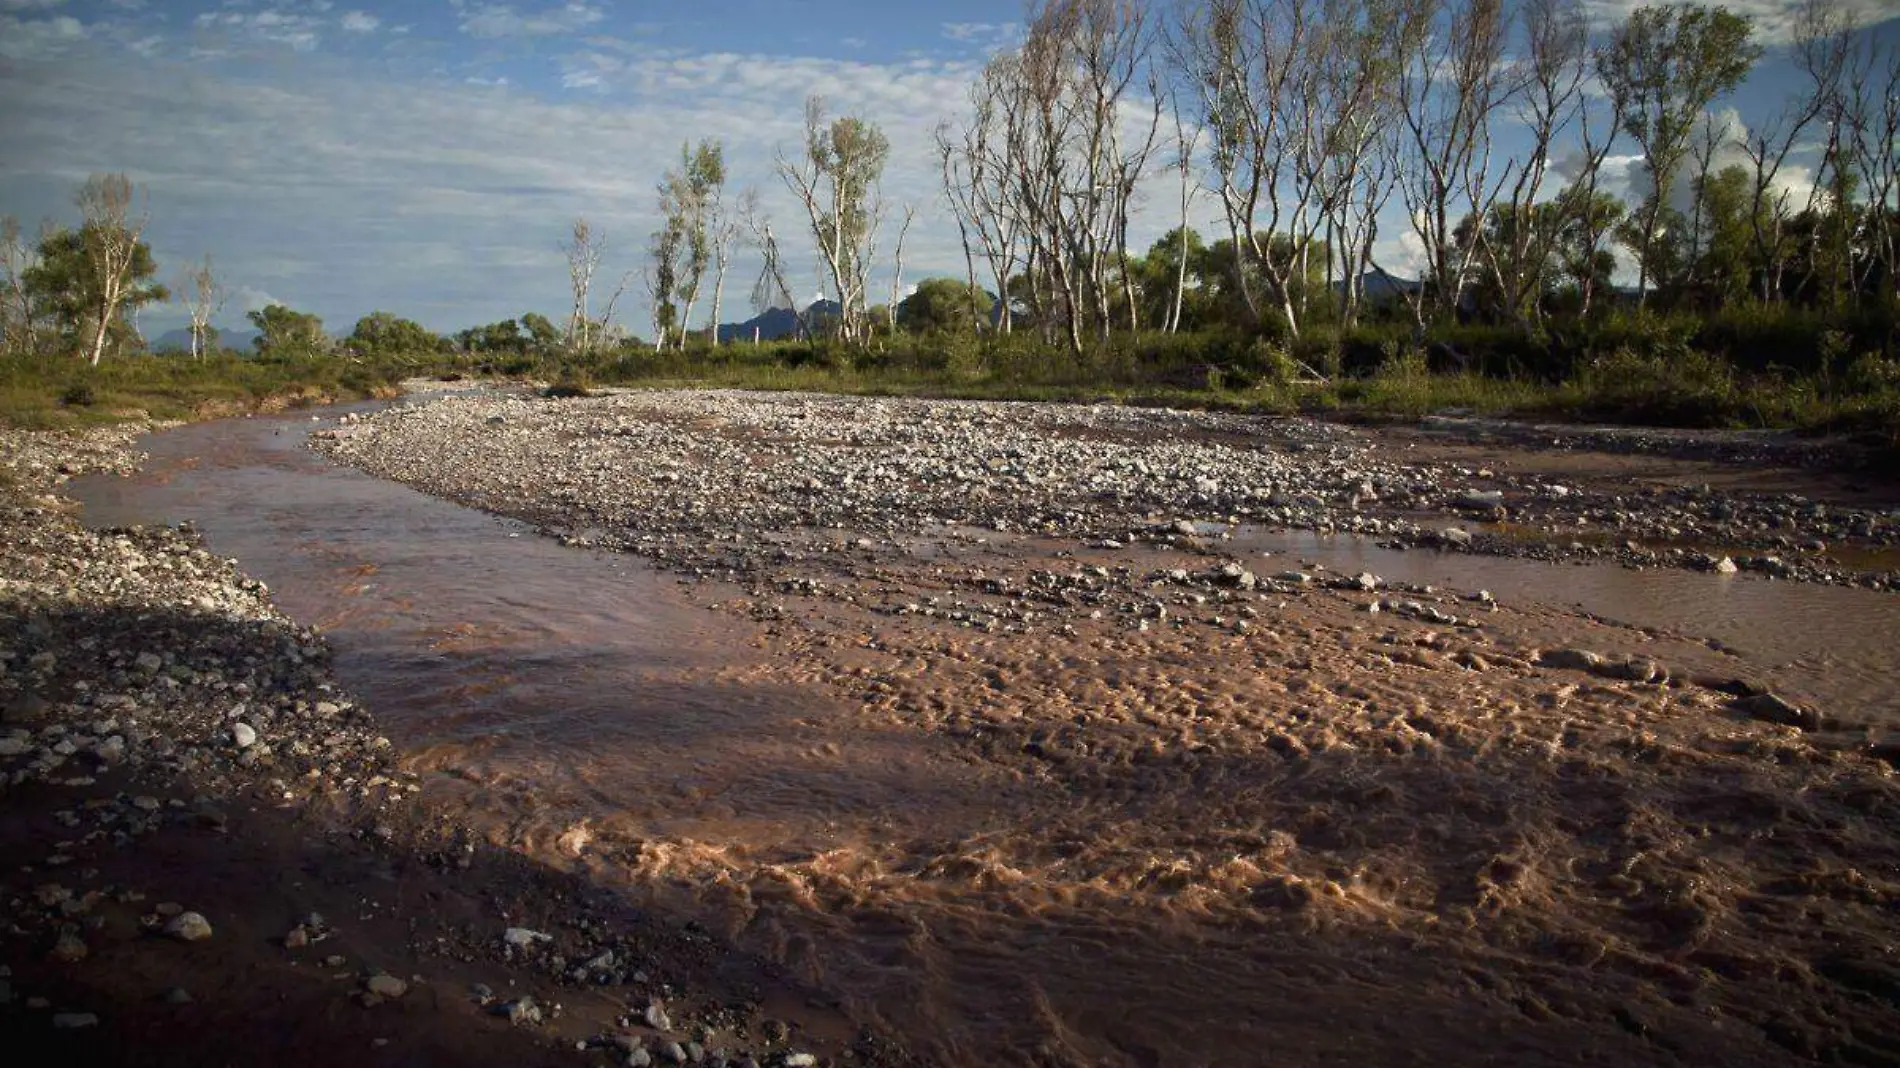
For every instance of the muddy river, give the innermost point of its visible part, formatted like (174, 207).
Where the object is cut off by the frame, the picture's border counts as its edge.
(1328, 839)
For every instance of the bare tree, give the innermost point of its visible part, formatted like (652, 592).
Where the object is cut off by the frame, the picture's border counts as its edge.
(770, 287)
(1551, 102)
(203, 297)
(1185, 143)
(1279, 110)
(16, 308)
(1057, 127)
(584, 251)
(960, 197)
(1822, 36)
(897, 267)
(837, 179)
(111, 235)
(722, 230)
(1868, 123)
(1452, 83)
(979, 177)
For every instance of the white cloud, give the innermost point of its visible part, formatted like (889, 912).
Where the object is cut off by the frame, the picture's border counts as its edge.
(503, 20)
(248, 299)
(30, 5)
(1774, 19)
(299, 32)
(360, 22)
(981, 33)
(38, 38)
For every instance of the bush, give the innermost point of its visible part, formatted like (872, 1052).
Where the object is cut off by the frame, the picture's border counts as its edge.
(573, 382)
(78, 395)
(1669, 384)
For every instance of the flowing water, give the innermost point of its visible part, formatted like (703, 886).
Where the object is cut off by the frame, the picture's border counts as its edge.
(588, 709)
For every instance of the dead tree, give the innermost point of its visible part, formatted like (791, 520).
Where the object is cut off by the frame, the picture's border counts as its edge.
(584, 252)
(897, 267)
(203, 297)
(1452, 82)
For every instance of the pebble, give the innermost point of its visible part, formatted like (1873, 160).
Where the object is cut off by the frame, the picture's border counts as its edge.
(522, 937)
(388, 986)
(189, 927)
(73, 1021)
(68, 949)
(243, 735)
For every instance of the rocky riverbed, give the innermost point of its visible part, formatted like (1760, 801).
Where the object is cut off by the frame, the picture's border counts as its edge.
(707, 480)
(212, 853)
(1190, 799)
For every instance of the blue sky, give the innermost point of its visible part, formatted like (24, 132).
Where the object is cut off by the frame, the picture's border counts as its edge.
(426, 157)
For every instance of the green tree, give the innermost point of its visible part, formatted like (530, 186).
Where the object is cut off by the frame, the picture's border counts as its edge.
(1664, 66)
(543, 336)
(284, 332)
(945, 305)
(63, 288)
(1720, 270)
(382, 333)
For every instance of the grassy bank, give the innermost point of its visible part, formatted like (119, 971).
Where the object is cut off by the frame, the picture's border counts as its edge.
(53, 392)
(1655, 373)
(1660, 384)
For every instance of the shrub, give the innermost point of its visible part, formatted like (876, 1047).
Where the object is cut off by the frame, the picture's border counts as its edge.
(78, 395)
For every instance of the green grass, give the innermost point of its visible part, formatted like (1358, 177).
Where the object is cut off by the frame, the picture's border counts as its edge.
(1659, 381)
(54, 392)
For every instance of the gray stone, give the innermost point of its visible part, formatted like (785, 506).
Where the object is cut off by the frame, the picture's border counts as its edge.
(388, 986)
(73, 1021)
(1569, 659)
(1769, 708)
(243, 735)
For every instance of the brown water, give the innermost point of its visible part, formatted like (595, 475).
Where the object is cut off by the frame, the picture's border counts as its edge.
(894, 844)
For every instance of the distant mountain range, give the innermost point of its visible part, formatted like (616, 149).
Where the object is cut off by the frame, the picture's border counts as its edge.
(179, 340)
(776, 323)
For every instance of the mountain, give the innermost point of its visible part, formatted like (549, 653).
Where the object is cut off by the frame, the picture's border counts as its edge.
(776, 323)
(179, 340)
(1379, 284)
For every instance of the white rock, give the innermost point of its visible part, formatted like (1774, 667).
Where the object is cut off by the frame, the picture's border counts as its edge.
(244, 735)
(521, 936)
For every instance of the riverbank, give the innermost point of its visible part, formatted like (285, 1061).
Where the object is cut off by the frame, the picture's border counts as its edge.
(1104, 732)
(711, 466)
(214, 855)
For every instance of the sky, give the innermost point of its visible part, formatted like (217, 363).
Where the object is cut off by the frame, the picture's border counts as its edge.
(426, 157)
